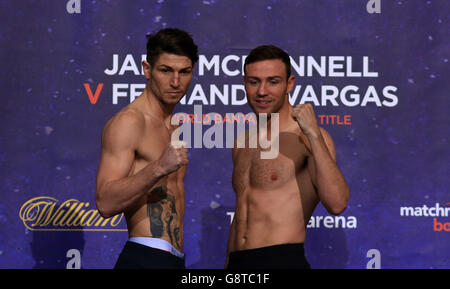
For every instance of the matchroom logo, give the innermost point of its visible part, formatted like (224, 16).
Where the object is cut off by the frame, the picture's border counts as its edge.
(437, 212)
(45, 214)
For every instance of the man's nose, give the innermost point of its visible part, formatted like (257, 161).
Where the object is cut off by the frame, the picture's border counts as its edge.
(175, 80)
(262, 89)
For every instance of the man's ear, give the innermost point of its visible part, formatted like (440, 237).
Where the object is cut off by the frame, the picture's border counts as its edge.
(147, 69)
(290, 84)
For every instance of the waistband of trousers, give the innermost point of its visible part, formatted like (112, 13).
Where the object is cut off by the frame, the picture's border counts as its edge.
(157, 244)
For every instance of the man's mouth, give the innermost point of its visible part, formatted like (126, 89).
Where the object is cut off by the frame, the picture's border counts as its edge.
(263, 102)
(174, 93)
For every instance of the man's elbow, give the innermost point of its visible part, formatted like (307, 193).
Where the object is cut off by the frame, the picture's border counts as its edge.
(105, 211)
(338, 207)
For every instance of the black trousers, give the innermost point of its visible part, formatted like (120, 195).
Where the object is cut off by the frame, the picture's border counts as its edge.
(284, 256)
(137, 256)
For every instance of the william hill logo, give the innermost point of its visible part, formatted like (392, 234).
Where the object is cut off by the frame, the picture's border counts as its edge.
(44, 214)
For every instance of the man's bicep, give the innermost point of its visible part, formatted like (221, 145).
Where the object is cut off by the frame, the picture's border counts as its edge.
(114, 166)
(119, 144)
(329, 143)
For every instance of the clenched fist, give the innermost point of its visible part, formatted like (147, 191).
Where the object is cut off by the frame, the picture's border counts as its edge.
(306, 119)
(173, 157)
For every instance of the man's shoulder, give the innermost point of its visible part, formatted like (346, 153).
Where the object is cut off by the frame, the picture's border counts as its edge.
(128, 123)
(127, 117)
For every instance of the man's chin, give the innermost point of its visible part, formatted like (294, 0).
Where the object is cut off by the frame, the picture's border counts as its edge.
(172, 100)
(259, 110)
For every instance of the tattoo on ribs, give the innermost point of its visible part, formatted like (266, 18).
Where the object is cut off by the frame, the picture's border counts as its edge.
(162, 213)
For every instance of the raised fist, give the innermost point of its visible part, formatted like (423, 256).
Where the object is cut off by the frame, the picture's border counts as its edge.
(173, 157)
(306, 119)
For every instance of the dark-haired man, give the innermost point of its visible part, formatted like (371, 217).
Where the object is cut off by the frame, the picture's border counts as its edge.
(141, 173)
(275, 198)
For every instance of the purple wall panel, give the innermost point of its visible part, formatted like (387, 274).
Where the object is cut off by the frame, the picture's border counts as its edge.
(394, 155)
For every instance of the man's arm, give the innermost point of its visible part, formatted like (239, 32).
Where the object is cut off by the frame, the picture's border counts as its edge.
(116, 189)
(332, 188)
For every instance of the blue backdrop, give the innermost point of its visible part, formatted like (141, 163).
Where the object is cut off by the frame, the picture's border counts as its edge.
(377, 82)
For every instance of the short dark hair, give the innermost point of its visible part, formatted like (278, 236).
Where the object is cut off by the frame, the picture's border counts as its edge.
(267, 52)
(171, 40)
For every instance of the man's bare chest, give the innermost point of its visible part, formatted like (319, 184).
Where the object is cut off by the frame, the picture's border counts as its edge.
(252, 170)
(153, 143)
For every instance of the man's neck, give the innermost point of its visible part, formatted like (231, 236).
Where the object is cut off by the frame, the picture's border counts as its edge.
(284, 117)
(157, 108)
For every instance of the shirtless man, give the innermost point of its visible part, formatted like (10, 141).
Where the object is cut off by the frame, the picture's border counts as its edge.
(275, 198)
(141, 173)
